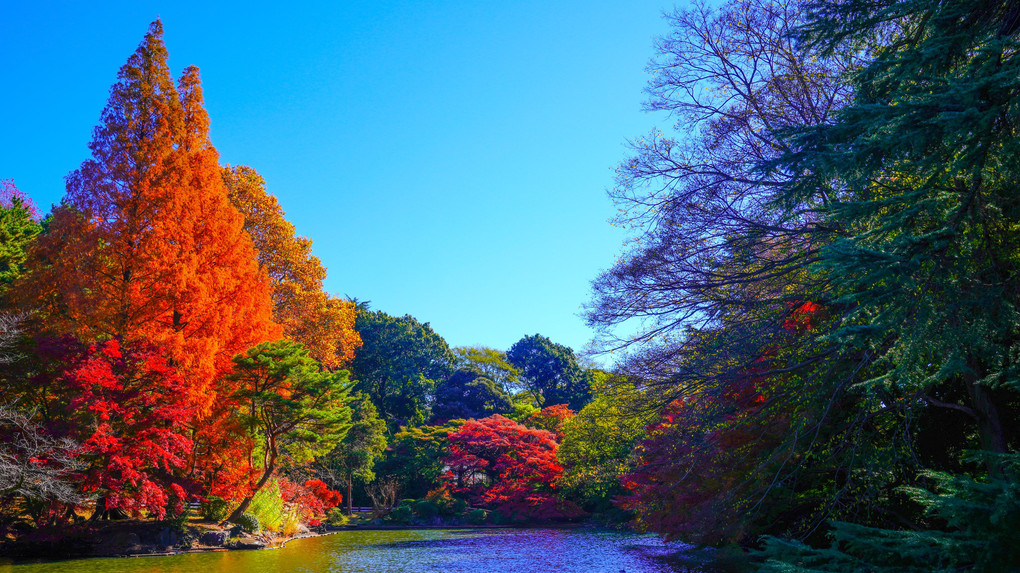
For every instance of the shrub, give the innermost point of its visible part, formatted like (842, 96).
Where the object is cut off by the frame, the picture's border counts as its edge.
(442, 498)
(291, 521)
(476, 516)
(248, 522)
(496, 517)
(310, 500)
(401, 514)
(458, 506)
(426, 510)
(214, 508)
(267, 506)
(176, 520)
(336, 517)
(329, 498)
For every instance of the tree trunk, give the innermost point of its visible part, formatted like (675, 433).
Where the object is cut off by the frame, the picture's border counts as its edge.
(102, 513)
(266, 474)
(350, 504)
(993, 438)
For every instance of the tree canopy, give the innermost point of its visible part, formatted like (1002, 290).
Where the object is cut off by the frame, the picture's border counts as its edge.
(146, 244)
(399, 365)
(285, 400)
(324, 324)
(550, 372)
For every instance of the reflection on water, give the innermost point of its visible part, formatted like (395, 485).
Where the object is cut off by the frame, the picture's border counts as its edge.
(416, 551)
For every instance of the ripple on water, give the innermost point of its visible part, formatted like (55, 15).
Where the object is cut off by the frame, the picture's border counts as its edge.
(420, 551)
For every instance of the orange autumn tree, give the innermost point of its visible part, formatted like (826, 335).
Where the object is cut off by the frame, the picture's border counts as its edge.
(146, 245)
(324, 324)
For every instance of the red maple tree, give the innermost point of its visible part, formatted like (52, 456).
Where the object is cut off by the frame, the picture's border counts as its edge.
(312, 499)
(504, 465)
(126, 407)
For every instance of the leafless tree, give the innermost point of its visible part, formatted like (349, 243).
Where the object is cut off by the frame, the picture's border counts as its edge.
(33, 464)
(717, 245)
(10, 332)
(384, 493)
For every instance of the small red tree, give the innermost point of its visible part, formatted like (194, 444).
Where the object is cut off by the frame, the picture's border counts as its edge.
(311, 500)
(502, 464)
(127, 407)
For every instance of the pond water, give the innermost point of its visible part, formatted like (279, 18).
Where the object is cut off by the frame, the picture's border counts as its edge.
(419, 551)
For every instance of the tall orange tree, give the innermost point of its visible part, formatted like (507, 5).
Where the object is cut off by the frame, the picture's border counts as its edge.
(146, 245)
(324, 324)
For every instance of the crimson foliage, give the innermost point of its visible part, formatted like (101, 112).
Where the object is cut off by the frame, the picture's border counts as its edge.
(127, 407)
(313, 499)
(504, 465)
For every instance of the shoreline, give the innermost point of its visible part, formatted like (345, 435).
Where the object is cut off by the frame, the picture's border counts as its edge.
(115, 541)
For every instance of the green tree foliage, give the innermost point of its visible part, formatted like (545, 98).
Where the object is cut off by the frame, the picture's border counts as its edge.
(924, 271)
(492, 364)
(550, 372)
(925, 268)
(597, 445)
(976, 525)
(415, 457)
(355, 456)
(399, 365)
(284, 399)
(468, 393)
(18, 227)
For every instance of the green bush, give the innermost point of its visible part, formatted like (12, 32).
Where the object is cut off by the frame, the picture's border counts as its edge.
(407, 502)
(248, 523)
(214, 508)
(426, 510)
(496, 517)
(401, 514)
(176, 521)
(337, 517)
(267, 506)
(458, 507)
(476, 516)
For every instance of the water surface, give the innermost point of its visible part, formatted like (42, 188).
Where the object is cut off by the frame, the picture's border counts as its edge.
(418, 551)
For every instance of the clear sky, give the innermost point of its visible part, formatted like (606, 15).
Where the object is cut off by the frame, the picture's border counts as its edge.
(448, 159)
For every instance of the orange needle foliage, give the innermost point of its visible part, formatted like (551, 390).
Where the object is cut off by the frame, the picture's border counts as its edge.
(147, 245)
(324, 324)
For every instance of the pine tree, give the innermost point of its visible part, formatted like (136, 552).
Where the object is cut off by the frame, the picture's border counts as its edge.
(926, 270)
(18, 228)
(926, 161)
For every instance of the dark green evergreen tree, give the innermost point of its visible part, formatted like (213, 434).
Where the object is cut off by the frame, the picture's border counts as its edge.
(468, 393)
(399, 365)
(550, 372)
(924, 272)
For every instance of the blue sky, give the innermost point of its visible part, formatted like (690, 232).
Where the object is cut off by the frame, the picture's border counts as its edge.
(448, 159)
